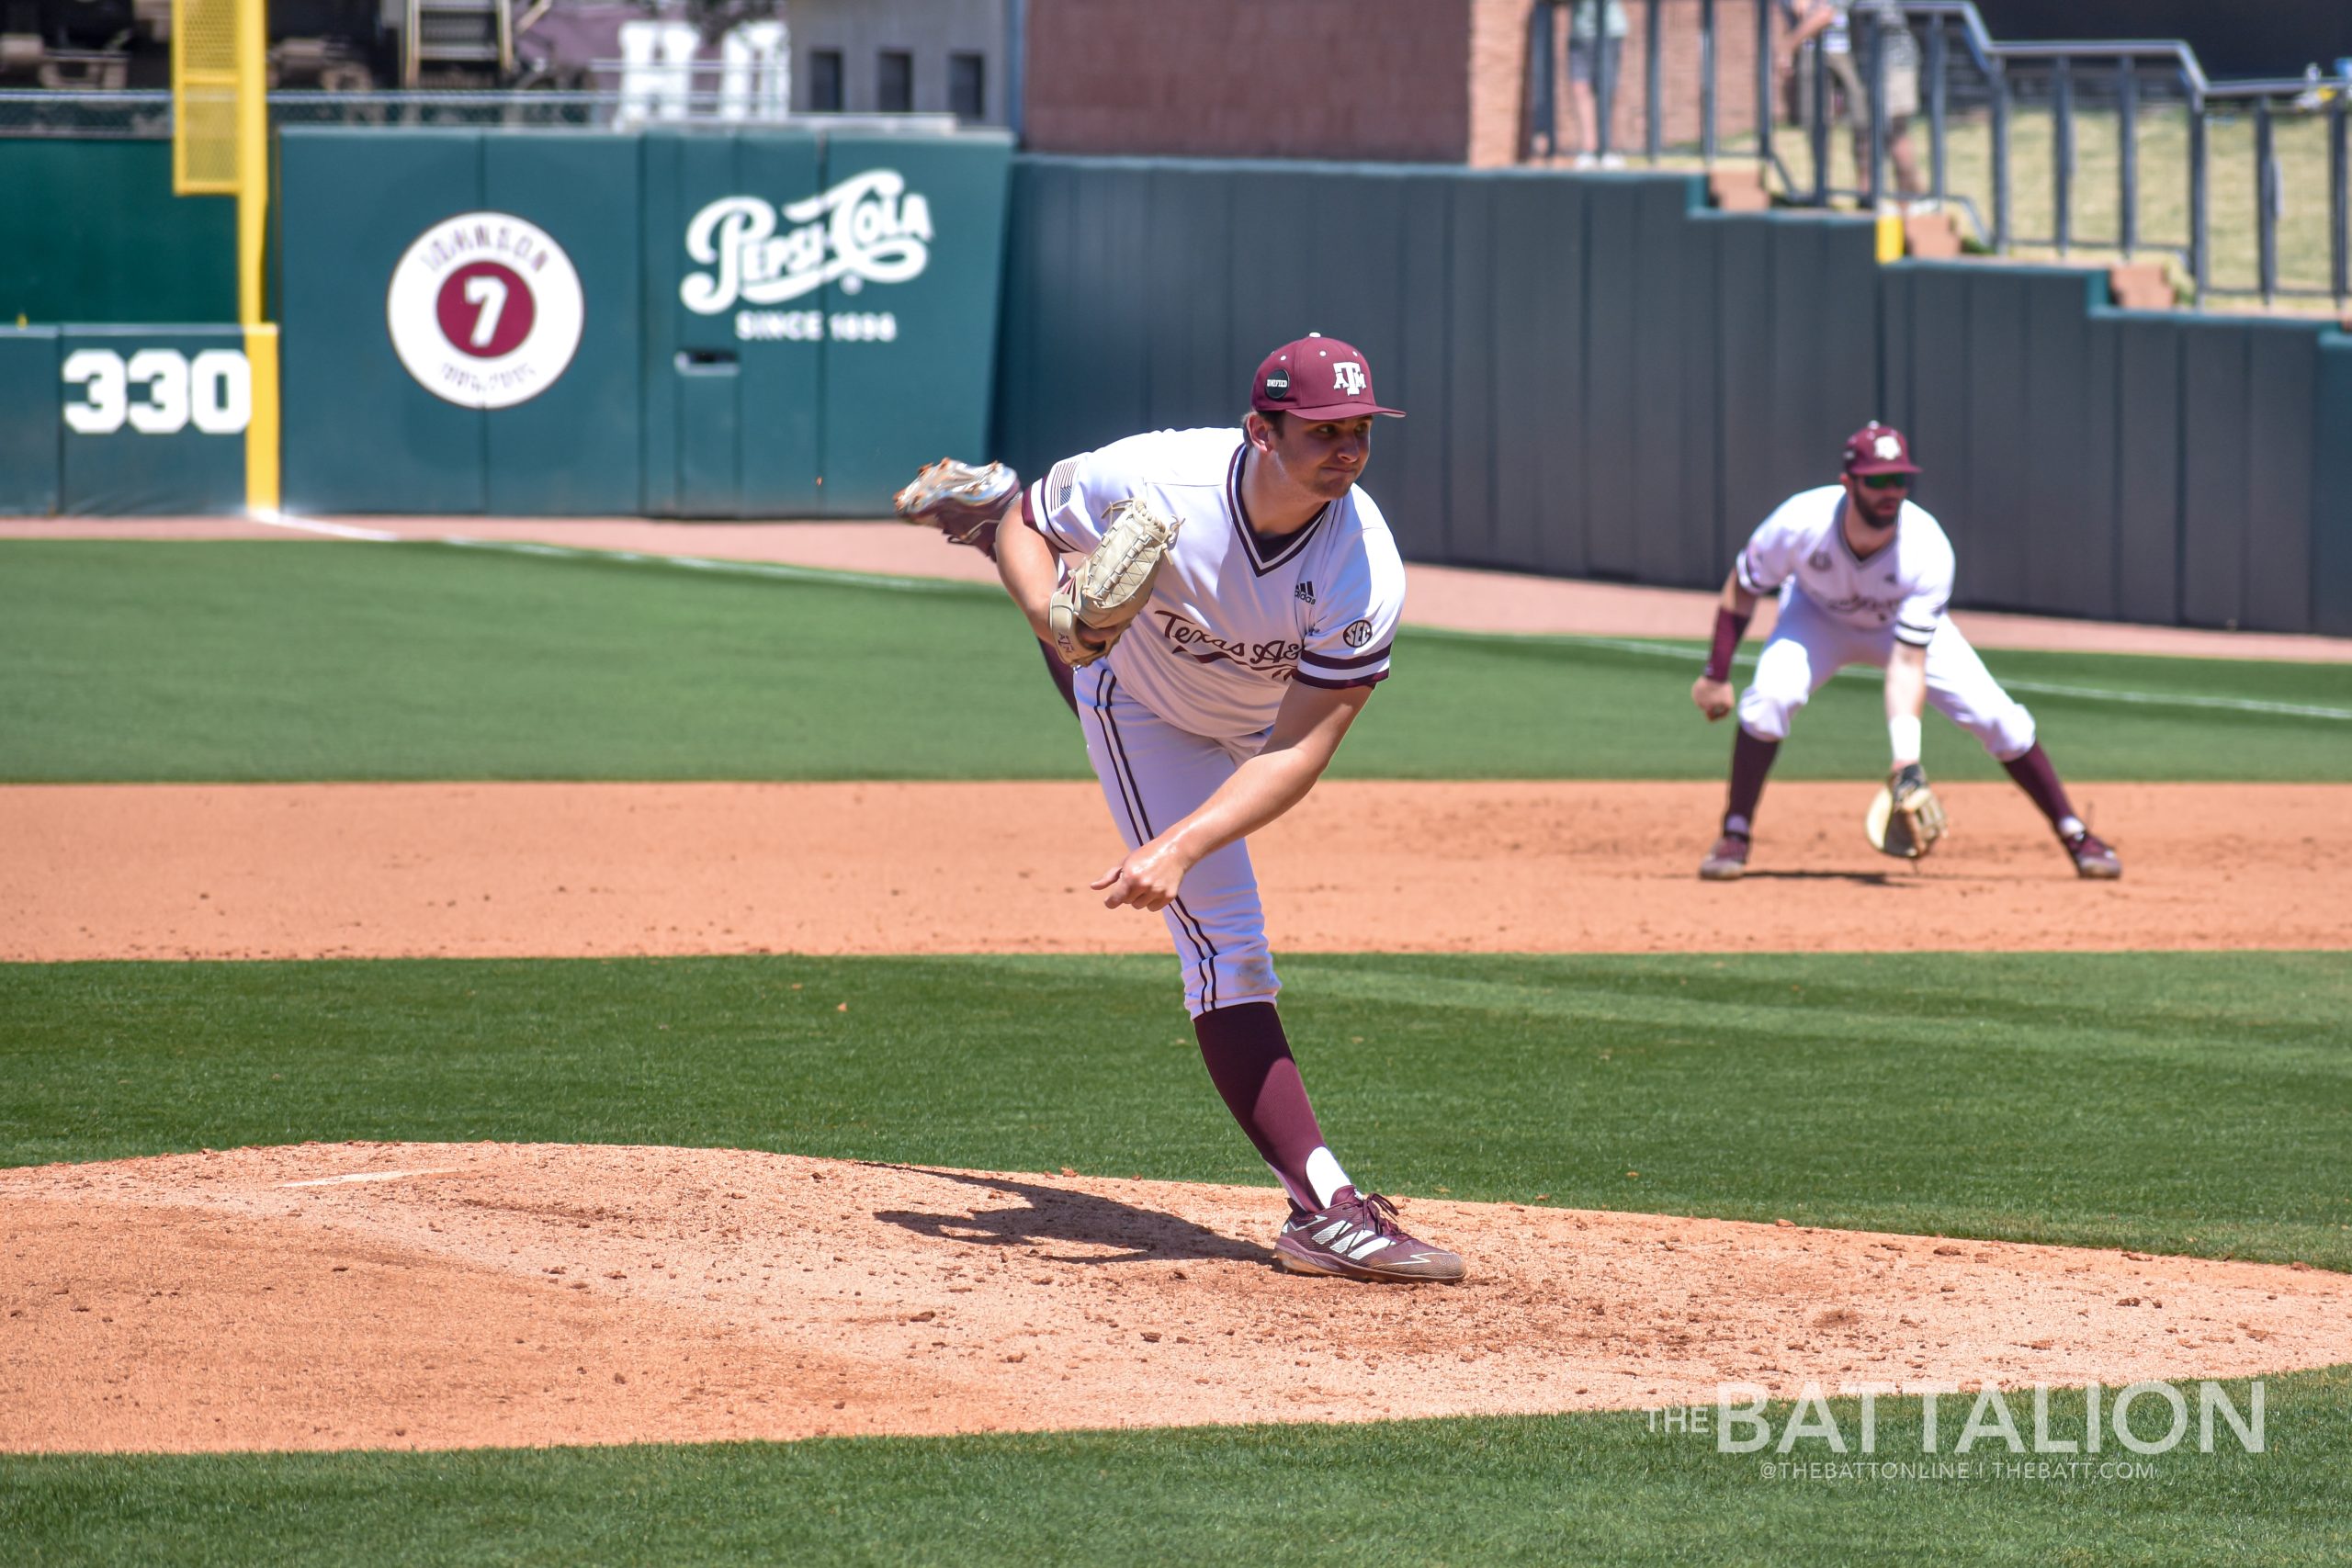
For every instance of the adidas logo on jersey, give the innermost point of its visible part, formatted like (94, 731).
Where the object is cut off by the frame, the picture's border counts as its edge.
(1305, 590)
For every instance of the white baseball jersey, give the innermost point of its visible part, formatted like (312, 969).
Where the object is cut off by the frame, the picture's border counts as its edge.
(1234, 618)
(1905, 585)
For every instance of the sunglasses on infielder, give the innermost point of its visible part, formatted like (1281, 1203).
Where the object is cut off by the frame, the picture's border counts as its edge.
(1884, 482)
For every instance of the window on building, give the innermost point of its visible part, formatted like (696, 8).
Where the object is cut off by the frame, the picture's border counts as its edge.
(825, 80)
(894, 81)
(968, 94)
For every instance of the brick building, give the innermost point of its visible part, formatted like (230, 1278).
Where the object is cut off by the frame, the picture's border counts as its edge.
(1415, 80)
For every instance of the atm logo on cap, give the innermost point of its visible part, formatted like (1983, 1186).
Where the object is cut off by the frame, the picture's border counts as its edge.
(867, 229)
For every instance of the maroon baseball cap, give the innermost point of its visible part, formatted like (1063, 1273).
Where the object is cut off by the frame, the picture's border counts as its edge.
(1316, 377)
(1878, 449)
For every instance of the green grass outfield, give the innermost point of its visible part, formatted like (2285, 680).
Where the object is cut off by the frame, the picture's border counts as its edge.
(2187, 1103)
(1578, 1489)
(268, 660)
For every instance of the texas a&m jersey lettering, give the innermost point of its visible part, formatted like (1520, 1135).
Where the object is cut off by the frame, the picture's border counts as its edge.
(1235, 618)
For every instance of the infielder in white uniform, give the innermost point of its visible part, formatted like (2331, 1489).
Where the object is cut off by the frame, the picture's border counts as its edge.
(1864, 576)
(1217, 709)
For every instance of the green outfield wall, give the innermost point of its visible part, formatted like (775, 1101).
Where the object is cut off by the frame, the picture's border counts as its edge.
(91, 232)
(2122, 464)
(1598, 380)
(705, 324)
(1603, 377)
(2332, 490)
(105, 420)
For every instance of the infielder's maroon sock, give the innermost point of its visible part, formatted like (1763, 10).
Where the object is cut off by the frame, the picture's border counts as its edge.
(1249, 1061)
(2039, 779)
(1751, 758)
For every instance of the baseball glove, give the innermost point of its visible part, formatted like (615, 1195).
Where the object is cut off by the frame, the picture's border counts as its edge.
(1905, 818)
(961, 501)
(1107, 590)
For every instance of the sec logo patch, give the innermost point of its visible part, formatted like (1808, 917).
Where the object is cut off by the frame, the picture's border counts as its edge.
(1357, 634)
(485, 309)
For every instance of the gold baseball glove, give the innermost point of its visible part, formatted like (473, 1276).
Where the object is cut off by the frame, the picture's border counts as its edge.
(1905, 818)
(1107, 590)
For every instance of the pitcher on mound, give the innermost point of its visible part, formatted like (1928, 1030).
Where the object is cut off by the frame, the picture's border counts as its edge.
(1224, 600)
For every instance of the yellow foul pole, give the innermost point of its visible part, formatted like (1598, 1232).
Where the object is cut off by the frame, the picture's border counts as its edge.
(220, 147)
(253, 234)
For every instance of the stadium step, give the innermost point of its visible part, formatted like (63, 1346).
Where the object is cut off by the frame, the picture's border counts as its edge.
(1931, 236)
(1738, 189)
(2141, 286)
(468, 39)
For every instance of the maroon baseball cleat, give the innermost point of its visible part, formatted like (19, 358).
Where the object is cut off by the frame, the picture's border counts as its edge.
(1359, 1238)
(2092, 858)
(1728, 861)
(961, 500)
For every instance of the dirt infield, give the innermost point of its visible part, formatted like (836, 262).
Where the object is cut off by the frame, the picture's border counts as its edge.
(565, 869)
(431, 1296)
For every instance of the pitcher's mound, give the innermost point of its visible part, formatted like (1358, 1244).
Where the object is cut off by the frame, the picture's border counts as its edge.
(417, 1295)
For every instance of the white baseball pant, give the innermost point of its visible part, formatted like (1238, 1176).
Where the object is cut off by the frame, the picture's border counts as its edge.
(1153, 776)
(1807, 647)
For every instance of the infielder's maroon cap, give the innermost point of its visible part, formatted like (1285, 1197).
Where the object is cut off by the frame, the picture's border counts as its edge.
(1316, 377)
(1878, 449)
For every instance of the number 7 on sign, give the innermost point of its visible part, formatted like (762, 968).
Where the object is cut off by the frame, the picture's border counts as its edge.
(489, 292)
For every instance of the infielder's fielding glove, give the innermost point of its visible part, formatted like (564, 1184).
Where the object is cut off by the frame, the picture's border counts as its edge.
(961, 501)
(1108, 589)
(1905, 818)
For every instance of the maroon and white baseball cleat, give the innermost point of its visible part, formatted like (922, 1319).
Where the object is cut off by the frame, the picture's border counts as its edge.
(963, 501)
(1728, 861)
(1359, 1238)
(2092, 858)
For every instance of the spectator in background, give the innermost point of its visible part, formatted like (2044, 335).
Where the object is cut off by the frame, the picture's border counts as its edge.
(1839, 25)
(1596, 49)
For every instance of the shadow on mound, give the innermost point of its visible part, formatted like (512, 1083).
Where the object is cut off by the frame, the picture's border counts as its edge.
(1059, 1215)
(1859, 878)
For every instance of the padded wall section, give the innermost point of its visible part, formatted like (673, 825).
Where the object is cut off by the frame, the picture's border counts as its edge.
(574, 448)
(153, 420)
(369, 429)
(29, 422)
(1604, 379)
(91, 232)
(2159, 467)
(2332, 487)
(770, 323)
(359, 431)
(909, 362)
(1599, 378)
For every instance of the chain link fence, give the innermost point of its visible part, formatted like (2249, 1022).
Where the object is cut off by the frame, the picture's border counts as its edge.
(148, 114)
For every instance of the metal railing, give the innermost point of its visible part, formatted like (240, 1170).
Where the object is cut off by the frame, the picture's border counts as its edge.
(1965, 76)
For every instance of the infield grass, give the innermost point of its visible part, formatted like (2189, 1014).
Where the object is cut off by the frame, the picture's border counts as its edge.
(2177, 1102)
(263, 661)
(1600, 1488)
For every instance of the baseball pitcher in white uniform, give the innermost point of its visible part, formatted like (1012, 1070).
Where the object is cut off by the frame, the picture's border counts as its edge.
(1215, 706)
(1864, 576)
